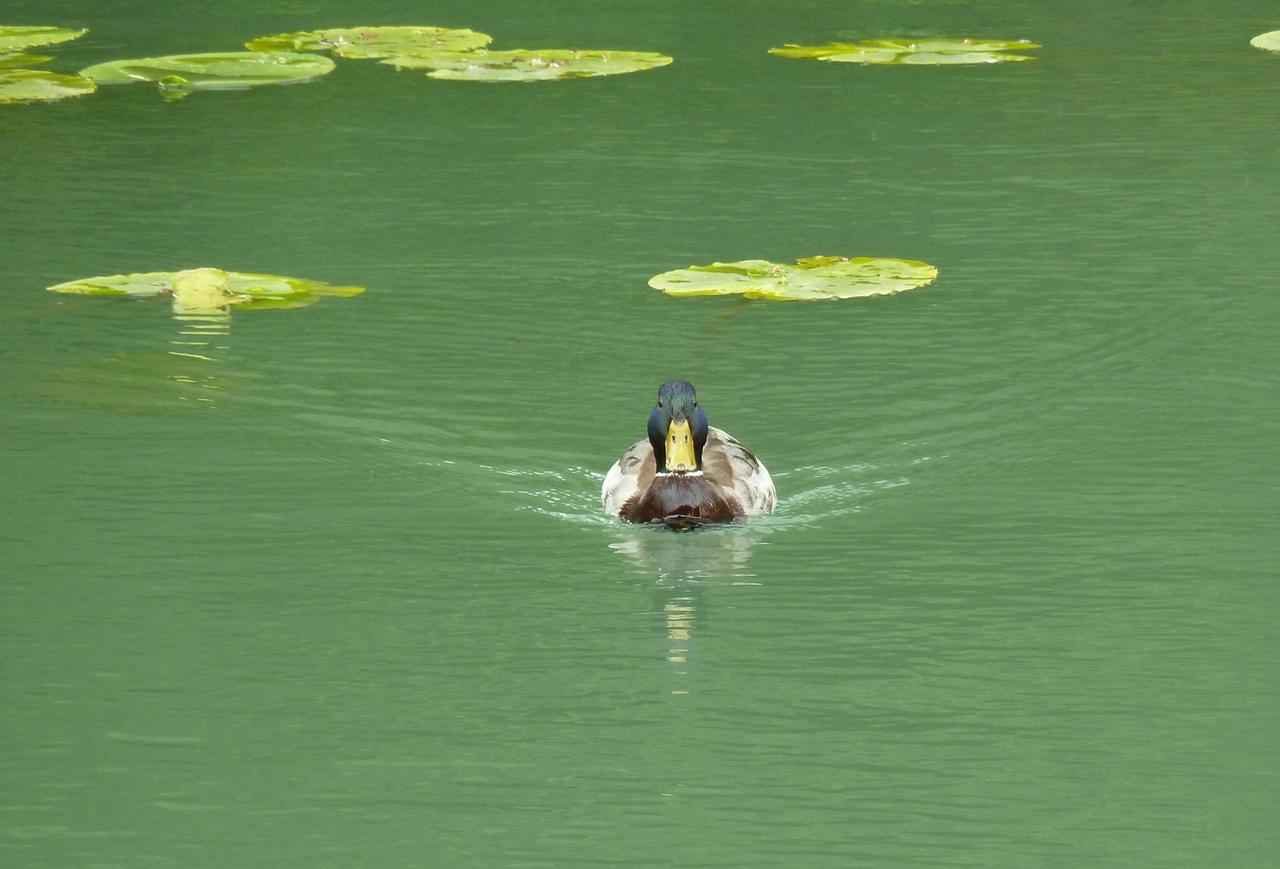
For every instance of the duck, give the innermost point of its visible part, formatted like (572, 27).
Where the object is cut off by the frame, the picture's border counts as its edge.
(686, 473)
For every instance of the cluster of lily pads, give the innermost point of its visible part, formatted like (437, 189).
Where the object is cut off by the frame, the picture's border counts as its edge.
(19, 84)
(286, 58)
(459, 54)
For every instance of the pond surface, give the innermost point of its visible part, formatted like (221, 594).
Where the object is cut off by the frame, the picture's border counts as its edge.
(331, 589)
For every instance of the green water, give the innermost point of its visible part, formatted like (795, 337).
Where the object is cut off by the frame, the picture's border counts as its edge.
(340, 595)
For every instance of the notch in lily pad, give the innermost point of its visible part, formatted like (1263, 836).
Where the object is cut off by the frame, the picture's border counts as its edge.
(931, 51)
(1267, 41)
(210, 290)
(372, 42)
(811, 279)
(181, 74)
(524, 65)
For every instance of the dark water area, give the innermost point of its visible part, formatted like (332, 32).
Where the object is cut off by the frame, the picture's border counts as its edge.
(340, 593)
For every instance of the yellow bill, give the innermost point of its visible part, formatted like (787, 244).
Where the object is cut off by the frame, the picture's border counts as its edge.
(680, 453)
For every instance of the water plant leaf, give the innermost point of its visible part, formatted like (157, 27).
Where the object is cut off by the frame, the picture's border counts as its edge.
(366, 42)
(930, 51)
(142, 285)
(819, 278)
(524, 65)
(13, 38)
(1268, 41)
(9, 61)
(205, 289)
(32, 85)
(218, 71)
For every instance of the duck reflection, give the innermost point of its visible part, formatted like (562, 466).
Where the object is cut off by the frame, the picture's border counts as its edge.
(686, 568)
(679, 615)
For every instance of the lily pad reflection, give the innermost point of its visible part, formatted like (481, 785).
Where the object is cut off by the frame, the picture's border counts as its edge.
(819, 278)
(218, 71)
(144, 381)
(525, 65)
(366, 42)
(15, 38)
(919, 52)
(209, 290)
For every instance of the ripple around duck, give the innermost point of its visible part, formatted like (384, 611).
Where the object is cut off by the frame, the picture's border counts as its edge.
(809, 496)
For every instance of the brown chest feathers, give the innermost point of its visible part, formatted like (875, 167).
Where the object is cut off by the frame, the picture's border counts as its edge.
(680, 495)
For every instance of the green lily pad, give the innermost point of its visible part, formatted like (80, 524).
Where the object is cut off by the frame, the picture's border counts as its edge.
(819, 278)
(366, 42)
(921, 52)
(32, 85)
(10, 61)
(221, 71)
(205, 290)
(1269, 41)
(525, 65)
(17, 38)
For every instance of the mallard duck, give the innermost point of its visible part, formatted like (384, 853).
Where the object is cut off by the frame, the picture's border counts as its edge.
(686, 473)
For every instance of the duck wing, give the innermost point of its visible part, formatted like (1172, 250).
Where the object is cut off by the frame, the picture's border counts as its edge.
(630, 475)
(730, 465)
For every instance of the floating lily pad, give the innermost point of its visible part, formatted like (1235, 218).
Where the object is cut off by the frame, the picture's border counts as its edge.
(366, 42)
(524, 65)
(224, 71)
(198, 290)
(1269, 41)
(818, 278)
(10, 61)
(924, 52)
(31, 85)
(18, 38)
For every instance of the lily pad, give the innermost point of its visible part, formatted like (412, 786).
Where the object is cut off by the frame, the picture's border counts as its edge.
(10, 61)
(524, 65)
(366, 42)
(18, 38)
(1269, 41)
(32, 85)
(819, 278)
(221, 71)
(206, 289)
(921, 52)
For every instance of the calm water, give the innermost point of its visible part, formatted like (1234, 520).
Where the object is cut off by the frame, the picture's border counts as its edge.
(341, 596)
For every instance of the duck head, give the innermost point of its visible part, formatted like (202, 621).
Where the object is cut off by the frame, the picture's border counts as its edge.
(678, 429)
